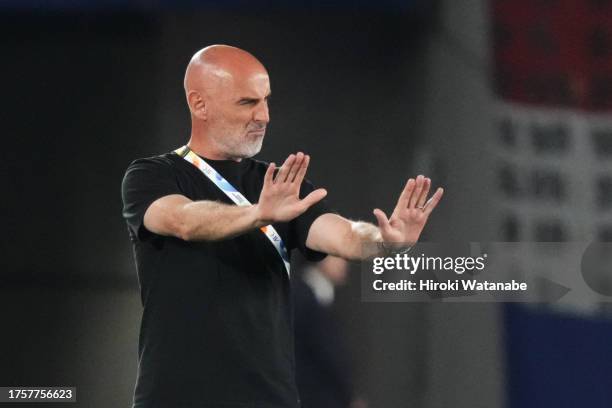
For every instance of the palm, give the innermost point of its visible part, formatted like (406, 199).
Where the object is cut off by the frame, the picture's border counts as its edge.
(279, 198)
(410, 214)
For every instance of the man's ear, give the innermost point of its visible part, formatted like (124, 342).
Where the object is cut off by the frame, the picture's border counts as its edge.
(197, 105)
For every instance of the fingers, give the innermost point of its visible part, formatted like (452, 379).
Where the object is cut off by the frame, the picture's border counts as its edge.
(433, 201)
(313, 198)
(426, 186)
(297, 165)
(292, 168)
(302, 171)
(284, 170)
(404, 198)
(269, 176)
(416, 193)
(381, 218)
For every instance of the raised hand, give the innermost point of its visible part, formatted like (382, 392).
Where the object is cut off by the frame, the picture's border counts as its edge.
(279, 199)
(410, 214)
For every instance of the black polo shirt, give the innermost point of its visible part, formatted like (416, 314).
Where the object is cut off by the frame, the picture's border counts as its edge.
(217, 324)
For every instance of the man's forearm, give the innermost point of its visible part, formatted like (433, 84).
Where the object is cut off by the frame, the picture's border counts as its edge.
(364, 241)
(213, 221)
(359, 241)
(351, 240)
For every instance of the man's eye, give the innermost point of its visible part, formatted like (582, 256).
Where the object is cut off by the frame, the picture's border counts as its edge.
(247, 102)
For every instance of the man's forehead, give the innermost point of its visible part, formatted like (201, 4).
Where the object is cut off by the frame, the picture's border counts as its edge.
(237, 72)
(259, 79)
(253, 82)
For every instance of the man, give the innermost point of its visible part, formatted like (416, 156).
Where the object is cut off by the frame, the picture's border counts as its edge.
(217, 326)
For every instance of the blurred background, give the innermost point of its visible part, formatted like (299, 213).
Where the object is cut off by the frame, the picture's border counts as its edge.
(507, 104)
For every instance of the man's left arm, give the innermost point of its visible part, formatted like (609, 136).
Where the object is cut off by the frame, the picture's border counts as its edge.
(336, 235)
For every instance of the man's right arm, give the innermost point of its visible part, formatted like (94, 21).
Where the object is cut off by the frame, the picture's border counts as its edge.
(176, 215)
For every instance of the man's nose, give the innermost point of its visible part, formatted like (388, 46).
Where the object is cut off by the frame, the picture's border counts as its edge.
(262, 114)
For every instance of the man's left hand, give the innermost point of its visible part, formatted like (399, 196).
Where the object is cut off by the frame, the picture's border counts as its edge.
(410, 214)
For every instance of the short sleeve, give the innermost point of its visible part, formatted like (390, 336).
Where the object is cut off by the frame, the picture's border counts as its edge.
(301, 225)
(145, 181)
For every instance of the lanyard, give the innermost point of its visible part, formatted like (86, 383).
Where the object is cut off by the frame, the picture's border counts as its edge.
(236, 196)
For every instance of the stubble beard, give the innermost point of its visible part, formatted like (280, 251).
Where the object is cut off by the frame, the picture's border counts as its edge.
(239, 146)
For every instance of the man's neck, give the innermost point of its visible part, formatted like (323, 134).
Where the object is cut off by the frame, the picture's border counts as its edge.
(208, 152)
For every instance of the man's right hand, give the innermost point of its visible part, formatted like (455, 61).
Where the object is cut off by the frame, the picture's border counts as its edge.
(279, 200)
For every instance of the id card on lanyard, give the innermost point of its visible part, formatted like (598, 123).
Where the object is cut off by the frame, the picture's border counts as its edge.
(237, 197)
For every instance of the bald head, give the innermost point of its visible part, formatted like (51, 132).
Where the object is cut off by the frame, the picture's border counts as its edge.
(217, 65)
(227, 91)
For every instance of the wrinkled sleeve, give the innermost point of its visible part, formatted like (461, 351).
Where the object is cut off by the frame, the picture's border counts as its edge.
(145, 181)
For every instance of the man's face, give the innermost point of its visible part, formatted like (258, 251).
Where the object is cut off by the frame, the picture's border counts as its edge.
(238, 113)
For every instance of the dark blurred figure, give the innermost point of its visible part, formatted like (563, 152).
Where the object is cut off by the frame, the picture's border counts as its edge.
(322, 365)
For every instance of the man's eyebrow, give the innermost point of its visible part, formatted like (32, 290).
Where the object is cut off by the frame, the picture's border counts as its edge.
(252, 99)
(246, 99)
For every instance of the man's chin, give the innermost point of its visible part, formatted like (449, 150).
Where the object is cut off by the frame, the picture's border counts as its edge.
(247, 154)
(254, 149)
